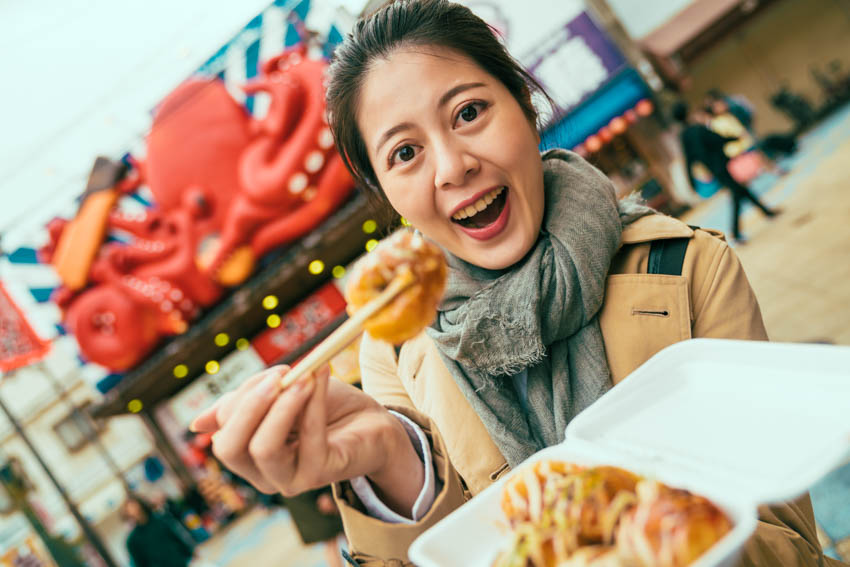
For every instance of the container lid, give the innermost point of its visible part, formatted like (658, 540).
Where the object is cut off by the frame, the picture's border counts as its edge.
(763, 420)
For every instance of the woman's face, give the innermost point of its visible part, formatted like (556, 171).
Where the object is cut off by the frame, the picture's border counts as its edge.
(454, 153)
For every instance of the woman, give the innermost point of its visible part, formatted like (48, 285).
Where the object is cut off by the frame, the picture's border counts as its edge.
(548, 304)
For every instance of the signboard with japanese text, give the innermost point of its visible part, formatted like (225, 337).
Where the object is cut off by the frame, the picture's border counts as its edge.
(300, 324)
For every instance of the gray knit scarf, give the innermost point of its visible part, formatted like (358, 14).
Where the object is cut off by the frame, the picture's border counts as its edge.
(539, 315)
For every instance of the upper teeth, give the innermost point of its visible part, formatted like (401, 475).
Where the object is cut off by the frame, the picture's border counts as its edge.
(478, 205)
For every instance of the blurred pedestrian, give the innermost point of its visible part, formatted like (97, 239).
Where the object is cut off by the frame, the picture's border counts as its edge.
(702, 145)
(152, 541)
(732, 117)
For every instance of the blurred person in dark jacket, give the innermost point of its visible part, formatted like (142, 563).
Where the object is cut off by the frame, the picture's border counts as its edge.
(702, 145)
(730, 116)
(153, 542)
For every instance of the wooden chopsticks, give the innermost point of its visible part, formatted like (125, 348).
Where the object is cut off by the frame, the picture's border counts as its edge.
(348, 331)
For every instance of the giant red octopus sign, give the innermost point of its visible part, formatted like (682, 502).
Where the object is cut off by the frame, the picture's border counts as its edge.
(228, 189)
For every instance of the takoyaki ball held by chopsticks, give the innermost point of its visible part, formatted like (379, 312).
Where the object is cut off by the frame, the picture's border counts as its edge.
(393, 293)
(402, 255)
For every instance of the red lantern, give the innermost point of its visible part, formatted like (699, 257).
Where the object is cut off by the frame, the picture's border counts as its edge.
(630, 116)
(618, 125)
(581, 150)
(605, 134)
(593, 143)
(644, 107)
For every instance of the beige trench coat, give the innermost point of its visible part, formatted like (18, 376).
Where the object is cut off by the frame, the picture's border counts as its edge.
(712, 298)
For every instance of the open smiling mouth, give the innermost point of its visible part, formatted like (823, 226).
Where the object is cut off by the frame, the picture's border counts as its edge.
(485, 211)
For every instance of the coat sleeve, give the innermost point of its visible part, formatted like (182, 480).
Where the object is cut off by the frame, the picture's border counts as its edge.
(379, 373)
(785, 535)
(375, 543)
(726, 307)
(723, 302)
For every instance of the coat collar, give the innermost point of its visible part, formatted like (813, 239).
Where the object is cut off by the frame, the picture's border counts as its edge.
(655, 227)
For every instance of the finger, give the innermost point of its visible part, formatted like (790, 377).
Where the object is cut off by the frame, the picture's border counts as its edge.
(230, 443)
(212, 418)
(312, 436)
(252, 476)
(229, 406)
(274, 446)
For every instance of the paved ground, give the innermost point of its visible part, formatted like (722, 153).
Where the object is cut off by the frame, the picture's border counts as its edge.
(261, 538)
(799, 266)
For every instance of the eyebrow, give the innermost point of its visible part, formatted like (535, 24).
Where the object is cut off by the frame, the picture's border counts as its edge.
(392, 132)
(447, 96)
(454, 91)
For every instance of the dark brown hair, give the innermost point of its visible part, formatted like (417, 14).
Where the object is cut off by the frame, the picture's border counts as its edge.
(412, 23)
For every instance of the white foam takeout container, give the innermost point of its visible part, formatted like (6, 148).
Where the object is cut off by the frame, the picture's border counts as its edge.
(741, 422)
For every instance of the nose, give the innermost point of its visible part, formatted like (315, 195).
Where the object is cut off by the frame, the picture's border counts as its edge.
(454, 164)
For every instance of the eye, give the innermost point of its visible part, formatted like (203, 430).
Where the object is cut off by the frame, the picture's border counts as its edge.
(403, 154)
(469, 113)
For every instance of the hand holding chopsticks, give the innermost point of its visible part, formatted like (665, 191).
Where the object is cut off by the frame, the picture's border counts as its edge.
(294, 430)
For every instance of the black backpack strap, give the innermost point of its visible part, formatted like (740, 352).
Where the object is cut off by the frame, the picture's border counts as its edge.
(667, 256)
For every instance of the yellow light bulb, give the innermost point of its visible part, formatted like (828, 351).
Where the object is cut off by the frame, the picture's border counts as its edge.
(181, 371)
(273, 321)
(242, 344)
(370, 226)
(338, 272)
(135, 406)
(316, 267)
(212, 366)
(270, 302)
(221, 339)
(371, 244)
